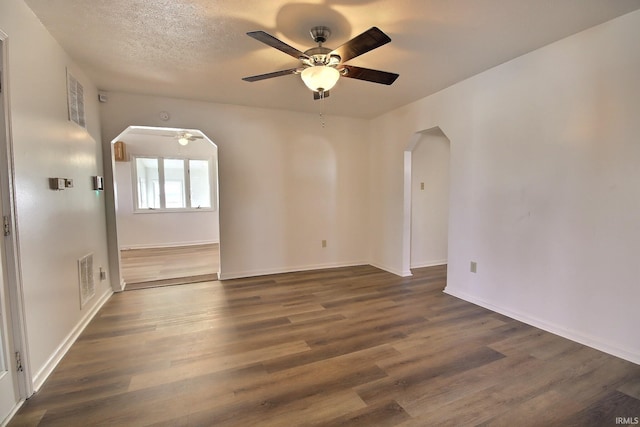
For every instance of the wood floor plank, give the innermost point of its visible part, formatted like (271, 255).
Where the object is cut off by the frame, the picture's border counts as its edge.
(549, 409)
(206, 365)
(614, 405)
(388, 413)
(631, 387)
(165, 266)
(442, 391)
(344, 346)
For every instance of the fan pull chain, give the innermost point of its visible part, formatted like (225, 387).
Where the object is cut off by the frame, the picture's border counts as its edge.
(322, 120)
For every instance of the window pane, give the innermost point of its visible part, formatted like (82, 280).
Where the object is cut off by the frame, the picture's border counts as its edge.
(200, 184)
(148, 183)
(174, 187)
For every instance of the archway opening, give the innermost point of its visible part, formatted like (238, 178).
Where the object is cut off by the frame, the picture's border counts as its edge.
(165, 207)
(426, 195)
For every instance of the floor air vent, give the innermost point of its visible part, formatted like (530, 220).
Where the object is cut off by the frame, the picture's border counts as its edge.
(85, 275)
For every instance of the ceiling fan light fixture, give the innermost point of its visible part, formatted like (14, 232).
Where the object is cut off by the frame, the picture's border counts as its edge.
(320, 78)
(183, 140)
(322, 67)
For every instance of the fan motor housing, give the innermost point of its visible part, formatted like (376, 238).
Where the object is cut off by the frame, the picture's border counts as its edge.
(320, 56)
(320, 34)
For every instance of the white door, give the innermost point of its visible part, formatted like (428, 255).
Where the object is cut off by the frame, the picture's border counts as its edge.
(9, 388)
(9, 393)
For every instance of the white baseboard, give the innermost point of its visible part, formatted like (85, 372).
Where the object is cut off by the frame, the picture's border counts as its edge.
(430, 264)
(265, 272)
(391, 270)
(167, 245)
(40, 377)
(14, 410)
(585, 339)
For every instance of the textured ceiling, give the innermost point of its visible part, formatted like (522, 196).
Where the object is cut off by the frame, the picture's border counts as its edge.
(198, 49)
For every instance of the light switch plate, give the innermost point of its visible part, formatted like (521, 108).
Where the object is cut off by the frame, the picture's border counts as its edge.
(57, 183)
(98, 183)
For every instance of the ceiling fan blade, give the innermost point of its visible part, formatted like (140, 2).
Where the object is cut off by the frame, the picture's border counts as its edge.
(270, 75)
(369, 75)
(318, 95)
(274, 42)
(369, 40)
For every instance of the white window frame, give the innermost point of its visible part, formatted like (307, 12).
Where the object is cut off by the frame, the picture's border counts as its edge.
(161, 179)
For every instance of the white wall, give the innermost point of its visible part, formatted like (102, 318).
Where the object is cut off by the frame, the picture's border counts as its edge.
(544, 185)
(161, 229)
(286, 183)
(55, 228)
(430, 201)
(544, 192)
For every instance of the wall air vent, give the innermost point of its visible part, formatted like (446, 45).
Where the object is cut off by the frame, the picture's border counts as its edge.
(85, 276)
(75, 100)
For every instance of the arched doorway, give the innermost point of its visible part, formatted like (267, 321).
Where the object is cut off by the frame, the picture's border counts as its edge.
(426, 200)
(165, 207)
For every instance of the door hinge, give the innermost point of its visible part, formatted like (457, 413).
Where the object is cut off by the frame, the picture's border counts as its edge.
(19, 367)
(6, 226)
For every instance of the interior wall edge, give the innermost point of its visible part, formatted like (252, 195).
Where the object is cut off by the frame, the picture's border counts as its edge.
(430, 263)
(392, 270)
(266, 272)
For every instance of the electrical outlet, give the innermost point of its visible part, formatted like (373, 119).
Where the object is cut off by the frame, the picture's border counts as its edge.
(324, 243)
(103, 274)
(422, 185)
(474, 267)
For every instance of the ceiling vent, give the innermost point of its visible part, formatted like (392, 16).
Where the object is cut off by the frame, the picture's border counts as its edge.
(75, 99)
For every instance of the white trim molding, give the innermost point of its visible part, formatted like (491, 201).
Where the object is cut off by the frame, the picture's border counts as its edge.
(41, 376)
(624, 353)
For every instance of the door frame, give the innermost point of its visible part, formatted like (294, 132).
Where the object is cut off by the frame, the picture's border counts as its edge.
(407, 196)
(17, 319)
(111, 200)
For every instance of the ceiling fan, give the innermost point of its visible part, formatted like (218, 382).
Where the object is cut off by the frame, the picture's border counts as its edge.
(185, 137)
(321, 67)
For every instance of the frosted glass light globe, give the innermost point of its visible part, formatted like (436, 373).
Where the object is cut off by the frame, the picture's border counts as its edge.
(320, 78)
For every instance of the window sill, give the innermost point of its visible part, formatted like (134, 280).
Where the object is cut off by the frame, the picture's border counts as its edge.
(173, 211)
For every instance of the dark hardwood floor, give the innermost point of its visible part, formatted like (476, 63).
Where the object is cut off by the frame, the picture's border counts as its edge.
(348, 346)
